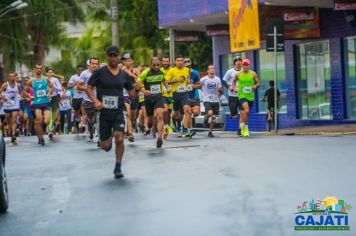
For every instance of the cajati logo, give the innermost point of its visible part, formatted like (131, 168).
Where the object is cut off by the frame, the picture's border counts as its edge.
(328, 214)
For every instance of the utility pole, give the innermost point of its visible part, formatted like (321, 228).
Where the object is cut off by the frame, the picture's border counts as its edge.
(172, 39)
(114, 23)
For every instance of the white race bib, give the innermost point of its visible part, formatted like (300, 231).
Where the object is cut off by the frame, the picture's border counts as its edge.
(212, 98)
(247, 89)
(141, 95)
(126, 94)
(190, 87)
(66, 103)
(110, 102)
(10, 102)
(181, 89)
(41, 93)
(155, 89)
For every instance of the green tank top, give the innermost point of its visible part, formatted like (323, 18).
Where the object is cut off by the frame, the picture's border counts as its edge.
(245, 86)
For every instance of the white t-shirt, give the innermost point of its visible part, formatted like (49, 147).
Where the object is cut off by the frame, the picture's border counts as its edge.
(73, 80)
(57, 86)
(228, 77)
(84, 77)
(209, 87)
(65, 103)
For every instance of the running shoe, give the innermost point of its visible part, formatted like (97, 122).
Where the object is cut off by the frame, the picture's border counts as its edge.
(159, 143)
(170, 130)
(117, 172)
(13, 139)
(50, 135)
(239, 132)
(42, 142)
(187, 134)
(193, 132)
(210, 135)
(247, 133)
(131, 138)
(147, 132)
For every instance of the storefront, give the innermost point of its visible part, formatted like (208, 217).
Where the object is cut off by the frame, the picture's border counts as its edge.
(316, 75)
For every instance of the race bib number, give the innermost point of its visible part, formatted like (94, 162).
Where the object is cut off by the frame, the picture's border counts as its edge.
(66, 103)
(10, 102)
(126, 94)
(190, 87)
(155, 89)
(181, 89)
(141, 95)
(212, 98)
(247, 89)
(110, 102)
(41, 93)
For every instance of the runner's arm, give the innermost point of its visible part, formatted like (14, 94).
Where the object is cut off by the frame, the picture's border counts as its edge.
(165, 84)
(71, 84)
(197, 85)
(226, 79)
(2, 89)
(90, 92)
(219, 90)
(234, 80)
(257, 81)
(51, 87)
(26, 91)
(80, 86)
(80, 83)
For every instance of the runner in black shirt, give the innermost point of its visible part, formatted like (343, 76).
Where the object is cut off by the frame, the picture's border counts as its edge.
(269, 97)
(110, 81)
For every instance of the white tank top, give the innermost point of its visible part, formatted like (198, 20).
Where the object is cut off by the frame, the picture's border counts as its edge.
(12, 96)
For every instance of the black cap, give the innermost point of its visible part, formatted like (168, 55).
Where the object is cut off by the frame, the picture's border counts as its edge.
(126, 56)
(237, 58)
(112, 50)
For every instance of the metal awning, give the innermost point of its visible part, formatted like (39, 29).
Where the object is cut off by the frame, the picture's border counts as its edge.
(200, 23)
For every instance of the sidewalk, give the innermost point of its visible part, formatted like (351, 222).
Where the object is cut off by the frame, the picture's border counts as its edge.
(318, 130)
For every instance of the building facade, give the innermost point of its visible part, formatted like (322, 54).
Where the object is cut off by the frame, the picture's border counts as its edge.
(316, 75)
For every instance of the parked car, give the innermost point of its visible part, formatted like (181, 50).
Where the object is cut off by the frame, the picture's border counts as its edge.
(220, 119)
(4, 196)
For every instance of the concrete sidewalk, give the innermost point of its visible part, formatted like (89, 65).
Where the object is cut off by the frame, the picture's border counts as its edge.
(320, 130)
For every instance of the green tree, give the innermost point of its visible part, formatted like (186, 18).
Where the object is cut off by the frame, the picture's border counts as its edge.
(200, 52)
(14, 45)
(44, 23)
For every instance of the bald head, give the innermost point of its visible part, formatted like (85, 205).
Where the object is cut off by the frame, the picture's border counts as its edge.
(155, 63)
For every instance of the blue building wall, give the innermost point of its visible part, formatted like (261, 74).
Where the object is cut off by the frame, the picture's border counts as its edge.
(333, 28)
(173, 11)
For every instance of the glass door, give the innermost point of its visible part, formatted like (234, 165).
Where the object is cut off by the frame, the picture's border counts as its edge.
(350, 71)
(314, 81)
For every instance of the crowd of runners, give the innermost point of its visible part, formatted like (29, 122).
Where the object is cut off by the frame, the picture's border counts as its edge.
(111, 100)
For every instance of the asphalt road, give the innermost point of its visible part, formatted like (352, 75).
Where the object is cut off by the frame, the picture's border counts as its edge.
(222, 186)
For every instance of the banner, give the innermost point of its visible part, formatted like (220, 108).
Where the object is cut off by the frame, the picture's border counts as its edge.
(244, 25)
(302, 23)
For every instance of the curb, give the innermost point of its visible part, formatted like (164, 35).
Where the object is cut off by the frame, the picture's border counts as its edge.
(320, 133)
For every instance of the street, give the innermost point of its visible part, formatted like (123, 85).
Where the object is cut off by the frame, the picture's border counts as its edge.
(222, 186)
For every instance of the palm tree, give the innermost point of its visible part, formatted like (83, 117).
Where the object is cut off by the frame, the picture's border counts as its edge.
(14, 45)
(44, 23)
